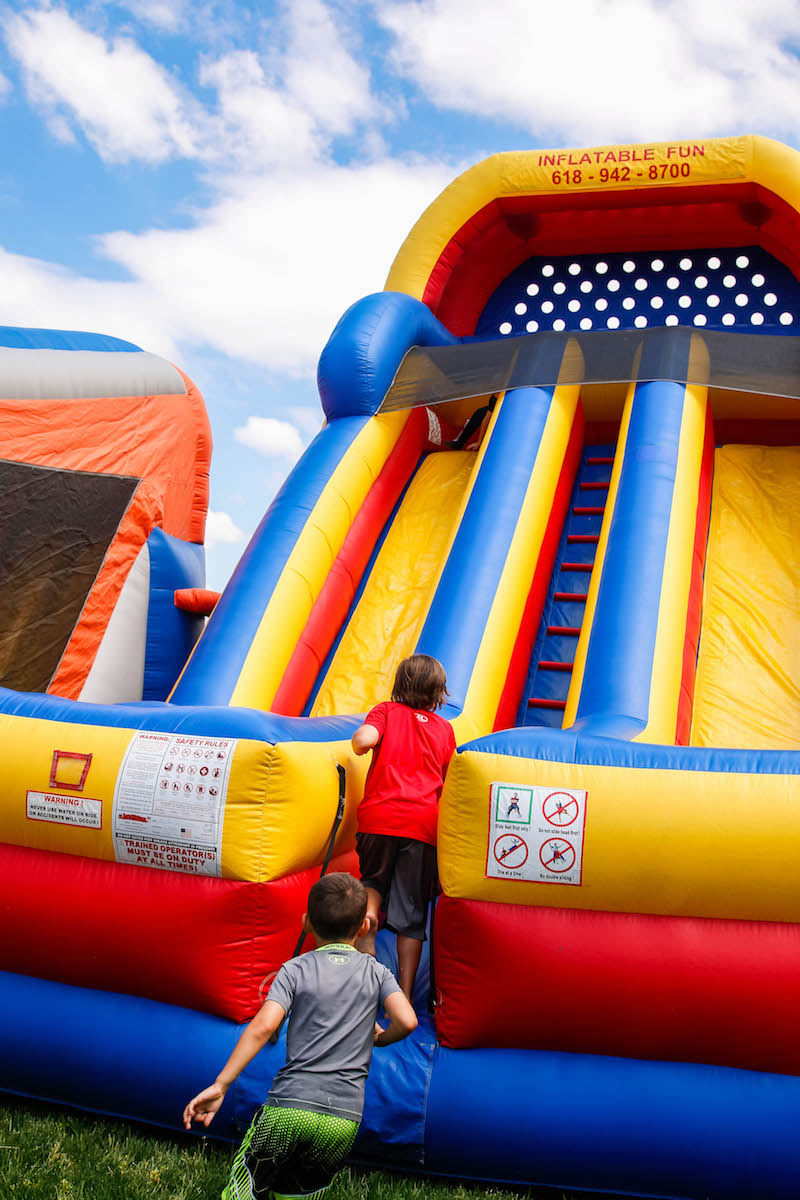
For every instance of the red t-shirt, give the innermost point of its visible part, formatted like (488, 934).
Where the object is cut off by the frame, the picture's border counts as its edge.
(405, 778)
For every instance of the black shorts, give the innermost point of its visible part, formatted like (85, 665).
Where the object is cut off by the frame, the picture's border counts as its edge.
(405, 873)
(289, 1152)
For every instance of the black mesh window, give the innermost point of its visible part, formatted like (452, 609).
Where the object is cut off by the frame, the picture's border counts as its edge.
(55, 529)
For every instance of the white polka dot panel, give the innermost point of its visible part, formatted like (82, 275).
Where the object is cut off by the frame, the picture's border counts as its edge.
(740, 289)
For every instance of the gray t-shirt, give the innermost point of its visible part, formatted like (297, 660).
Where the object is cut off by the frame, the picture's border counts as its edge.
(334, 994)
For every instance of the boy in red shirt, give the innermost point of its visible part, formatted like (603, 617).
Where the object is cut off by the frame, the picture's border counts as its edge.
(397, 818)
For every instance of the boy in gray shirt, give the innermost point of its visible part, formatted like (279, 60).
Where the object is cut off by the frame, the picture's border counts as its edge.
(302, 1134)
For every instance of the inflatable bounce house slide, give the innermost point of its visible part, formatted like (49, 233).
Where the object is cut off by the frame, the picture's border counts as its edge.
(562, 455)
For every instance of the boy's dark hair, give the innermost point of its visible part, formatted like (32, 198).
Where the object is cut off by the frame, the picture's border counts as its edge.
(337, 905)
(420, 682)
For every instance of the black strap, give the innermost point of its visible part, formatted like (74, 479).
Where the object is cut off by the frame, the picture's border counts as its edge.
(472, 424)
(328, 856)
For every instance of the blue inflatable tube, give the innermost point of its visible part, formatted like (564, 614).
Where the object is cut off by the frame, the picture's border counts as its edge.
(615, 695)
(674, 1130)
(477, 558)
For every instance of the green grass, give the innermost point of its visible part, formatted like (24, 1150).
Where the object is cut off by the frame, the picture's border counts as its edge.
(60, 1155)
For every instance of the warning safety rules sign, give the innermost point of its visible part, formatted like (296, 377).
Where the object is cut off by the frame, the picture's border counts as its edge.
(536, 833)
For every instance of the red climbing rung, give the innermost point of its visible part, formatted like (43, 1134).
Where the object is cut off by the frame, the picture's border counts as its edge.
(594, 511)
(555, 666)
(576, 566)
(583, 537)
(578, 597)
(594, 487)
(564, 630)
(601, 460)
(541, 703)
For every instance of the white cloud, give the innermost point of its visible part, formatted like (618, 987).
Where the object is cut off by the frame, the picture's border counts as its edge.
(322, 73)
(605, 70)
(122, 99)
(256, 123)
(267, 271)
(48, 295)
(221, 529)
(271, 437)
(168, 15)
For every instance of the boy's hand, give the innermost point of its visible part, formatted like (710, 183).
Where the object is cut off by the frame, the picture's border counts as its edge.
(204, 1106)
(378, 1032)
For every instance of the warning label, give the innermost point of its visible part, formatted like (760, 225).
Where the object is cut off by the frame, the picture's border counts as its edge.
(536, 833)
(65, 810)
(169, 802)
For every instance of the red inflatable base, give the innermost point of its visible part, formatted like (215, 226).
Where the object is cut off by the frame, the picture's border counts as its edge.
(201, 943)
(674, 988)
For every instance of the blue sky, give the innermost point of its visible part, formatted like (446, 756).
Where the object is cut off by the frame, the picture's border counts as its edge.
(218, 181)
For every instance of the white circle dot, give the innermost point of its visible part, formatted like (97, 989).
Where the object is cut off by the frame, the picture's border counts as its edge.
(700, 319)
(701, 281)
(586, 286)
(656, 302)
(786, 318)
(548, 306)
(629, 302)
(685, 264)
(532, 326)
(728, 319)
(684, 301)
(613, 322)
(505, 327)
(729, 281)
(672, 283)
(743, 261)
(559, 289)
(712, 301)
(613, 285)
(714, 262)
(758, 281)
(741, 300)
(628, 266)
(532, 289)
(770, 298)
(586, 323)
(574, 306)
(548, 270)
(520, 309)
(558, 325)
(574, 268)
(756, 318)
(671, 320)
(640, 285)
(640, 322)
(601, 305)
(657, 265)
(601, 268)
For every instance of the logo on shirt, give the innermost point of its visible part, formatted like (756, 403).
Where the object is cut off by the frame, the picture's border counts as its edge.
(341, 960)
(421, 717)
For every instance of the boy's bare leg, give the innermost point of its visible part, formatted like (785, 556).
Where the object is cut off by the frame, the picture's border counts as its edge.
(366, 944)
(409, 952)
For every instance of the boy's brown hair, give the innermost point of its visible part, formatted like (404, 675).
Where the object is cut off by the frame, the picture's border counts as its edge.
(420, 682)
(337, 905)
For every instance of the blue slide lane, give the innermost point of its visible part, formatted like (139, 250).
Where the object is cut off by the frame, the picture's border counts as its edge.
(213, 670)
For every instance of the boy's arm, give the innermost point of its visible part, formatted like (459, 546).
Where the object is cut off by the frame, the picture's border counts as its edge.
(402, 1020)
(365, 738)
(254, 1037)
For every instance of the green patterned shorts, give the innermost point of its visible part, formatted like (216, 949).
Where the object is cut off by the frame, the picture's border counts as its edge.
(289, 1152)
